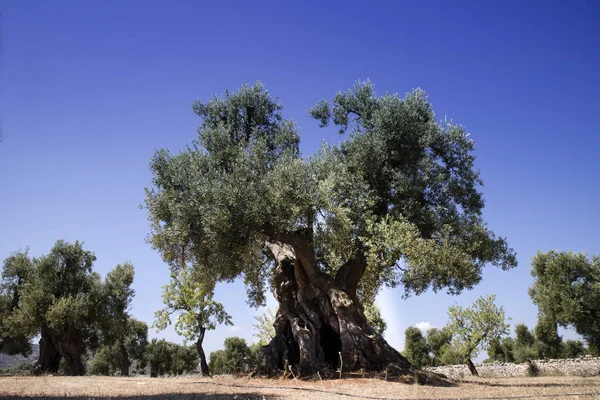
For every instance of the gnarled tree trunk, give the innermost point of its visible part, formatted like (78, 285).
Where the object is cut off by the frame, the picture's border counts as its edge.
(203, 365)
(320, 324)
(49, 357)
(69, 343)
(124, 360)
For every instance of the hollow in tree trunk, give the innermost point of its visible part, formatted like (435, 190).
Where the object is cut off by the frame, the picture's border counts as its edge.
(320, 324)
(203, 365)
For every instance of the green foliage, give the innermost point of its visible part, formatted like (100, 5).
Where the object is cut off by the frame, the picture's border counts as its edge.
(374, 318)
(477, 326)
(574, 349)
(416, 349)
(524, 337)
(547, 344)
(236, 357)
(265, 331)
(18, 370)
(103, 362)
(566, 289)
(16, 270)
(401, 191)
(525, 349)
(58, 294)
(501, 350)
(436, 340)
(166, 358)
(192, 300)
(129, 347)
(218, 362)
(450, 354)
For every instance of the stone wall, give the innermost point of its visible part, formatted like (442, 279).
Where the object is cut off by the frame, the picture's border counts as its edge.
(587, 366)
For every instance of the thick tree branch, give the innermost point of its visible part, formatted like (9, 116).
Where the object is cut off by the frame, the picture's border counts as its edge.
(300, 241)
(350, 274)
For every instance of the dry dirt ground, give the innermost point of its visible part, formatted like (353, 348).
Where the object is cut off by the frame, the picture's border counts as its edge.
(220, 388)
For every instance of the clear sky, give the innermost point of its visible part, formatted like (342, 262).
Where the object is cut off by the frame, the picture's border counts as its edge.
(89, 90)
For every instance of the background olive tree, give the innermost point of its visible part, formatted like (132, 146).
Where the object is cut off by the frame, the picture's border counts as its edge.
(59, 298)
(476, 327)
(191, 299)
(566, 289)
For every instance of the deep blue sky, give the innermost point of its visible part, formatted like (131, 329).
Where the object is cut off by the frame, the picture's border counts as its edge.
(89, 90)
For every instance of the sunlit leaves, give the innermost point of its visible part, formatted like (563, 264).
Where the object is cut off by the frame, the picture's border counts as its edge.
(475, 327)
(566, 288)
(61, 291)
(400, 189)
(190, 298)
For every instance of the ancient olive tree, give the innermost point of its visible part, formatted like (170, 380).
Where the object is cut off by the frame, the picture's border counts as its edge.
(566, 289)
(58, 297)
(16, 270)
(476, 327)
(397, 202)
(191, 298)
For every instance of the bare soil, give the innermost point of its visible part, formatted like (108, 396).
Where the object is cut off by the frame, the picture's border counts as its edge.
(227, 387)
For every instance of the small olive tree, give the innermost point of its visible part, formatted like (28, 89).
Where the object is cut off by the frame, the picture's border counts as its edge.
(265, 331)
(475, 327)
(192, 299)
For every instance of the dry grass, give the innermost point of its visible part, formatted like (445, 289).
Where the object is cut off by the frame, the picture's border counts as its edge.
(220, 388)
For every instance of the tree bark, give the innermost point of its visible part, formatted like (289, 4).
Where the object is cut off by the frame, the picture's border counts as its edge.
(124, 360)
(49, 357)
(472, 367)
(203, 365)
(69, 343)
(320, 325)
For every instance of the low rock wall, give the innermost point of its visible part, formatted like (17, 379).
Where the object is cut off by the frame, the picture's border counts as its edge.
(588, 366)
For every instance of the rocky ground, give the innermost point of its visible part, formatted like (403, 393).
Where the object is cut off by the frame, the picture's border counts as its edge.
(586, 366)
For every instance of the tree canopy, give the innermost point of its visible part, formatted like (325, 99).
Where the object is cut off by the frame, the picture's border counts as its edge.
(119, 355)
(166, 358)
(476, 327)
(235, 357)
(416, 348)
(59, 297)
(397, 202)
(566, 289)
(192, 300)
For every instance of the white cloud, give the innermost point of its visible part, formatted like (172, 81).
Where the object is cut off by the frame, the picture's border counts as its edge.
(424, 326)
(235, 329)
